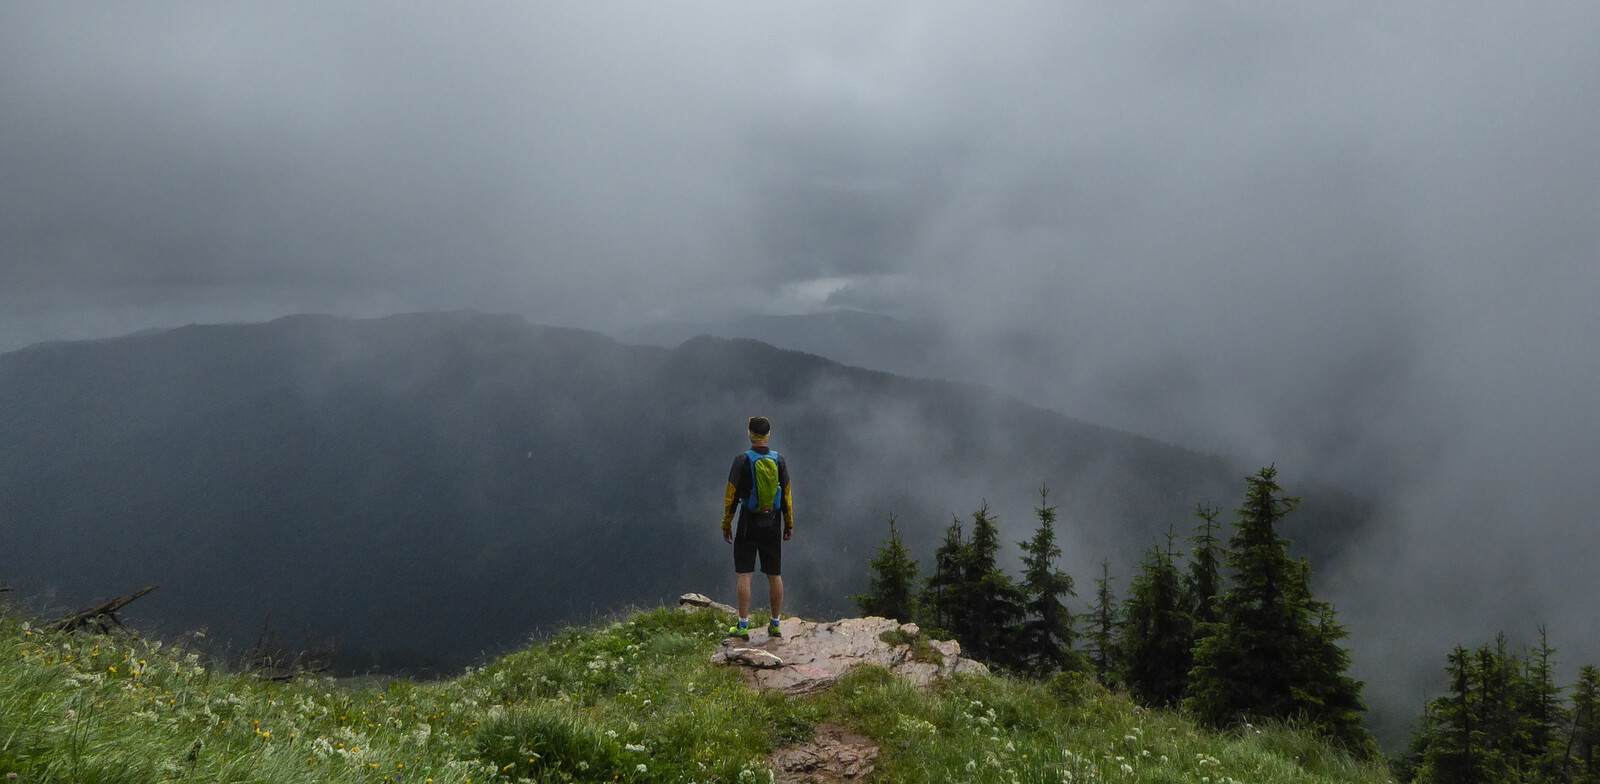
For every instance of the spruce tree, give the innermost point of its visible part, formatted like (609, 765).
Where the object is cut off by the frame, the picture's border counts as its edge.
(1496, 712)
(1503, 721)
(893, 581)
(1103, 627)
(1450, 745)
(1155, 650)
(1584, 741)
(944, 599)
(1045, 641)
(1275, 652)
(1205, 567)
(1542, 741)
(994, 603)
(1204, 581)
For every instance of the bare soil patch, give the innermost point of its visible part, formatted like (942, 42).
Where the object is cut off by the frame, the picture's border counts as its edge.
(834, 754)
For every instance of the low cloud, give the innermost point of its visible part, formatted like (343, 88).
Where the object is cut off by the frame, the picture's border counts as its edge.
(1358, 241)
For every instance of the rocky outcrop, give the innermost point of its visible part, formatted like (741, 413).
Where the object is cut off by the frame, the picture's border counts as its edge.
(811, 656)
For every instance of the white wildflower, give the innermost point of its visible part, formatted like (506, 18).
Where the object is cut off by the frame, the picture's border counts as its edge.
(640, 768)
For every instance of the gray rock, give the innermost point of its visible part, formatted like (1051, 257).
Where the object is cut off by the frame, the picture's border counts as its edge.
(812, 656)
(690, 602)
(747, 657)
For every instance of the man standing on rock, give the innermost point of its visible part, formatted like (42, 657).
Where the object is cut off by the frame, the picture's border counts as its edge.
(758, 489)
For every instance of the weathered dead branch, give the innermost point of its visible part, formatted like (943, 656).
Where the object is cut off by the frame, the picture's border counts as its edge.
(101, 618)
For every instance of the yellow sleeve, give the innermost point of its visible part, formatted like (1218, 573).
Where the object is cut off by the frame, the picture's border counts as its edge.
(788, 507)
(730, 504)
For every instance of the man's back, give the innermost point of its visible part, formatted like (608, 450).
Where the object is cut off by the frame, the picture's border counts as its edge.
(758, 538)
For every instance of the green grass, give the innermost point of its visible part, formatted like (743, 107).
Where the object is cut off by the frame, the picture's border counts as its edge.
(921, 648)
(632, 701)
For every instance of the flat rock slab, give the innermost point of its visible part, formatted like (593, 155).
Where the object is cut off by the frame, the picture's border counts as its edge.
(811, 656)
(834, 754)
(751, 657)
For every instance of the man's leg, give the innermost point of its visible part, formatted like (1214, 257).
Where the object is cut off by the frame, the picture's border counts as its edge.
(743, 594)
(774, 589)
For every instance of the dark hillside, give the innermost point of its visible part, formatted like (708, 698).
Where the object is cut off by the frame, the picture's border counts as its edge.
(429, 487)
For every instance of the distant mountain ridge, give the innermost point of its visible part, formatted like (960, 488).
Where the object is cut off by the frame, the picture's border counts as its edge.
(430, 487)
(1026, 365)
(852, 337)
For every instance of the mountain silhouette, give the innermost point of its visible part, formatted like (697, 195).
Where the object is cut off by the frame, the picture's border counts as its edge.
(430, 488)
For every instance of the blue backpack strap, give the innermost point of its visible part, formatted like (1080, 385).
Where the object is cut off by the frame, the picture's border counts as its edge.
(751, 456)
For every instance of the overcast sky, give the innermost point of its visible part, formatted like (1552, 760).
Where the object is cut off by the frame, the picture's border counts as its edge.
(1357, 239)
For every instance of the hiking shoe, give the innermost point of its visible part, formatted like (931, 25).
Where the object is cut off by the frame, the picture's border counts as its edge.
(773, 630)
(741, 631)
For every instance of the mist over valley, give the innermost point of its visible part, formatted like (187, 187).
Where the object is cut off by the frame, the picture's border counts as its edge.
(424, 489)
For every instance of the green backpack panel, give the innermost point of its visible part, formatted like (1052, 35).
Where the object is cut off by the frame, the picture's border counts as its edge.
(765, 494)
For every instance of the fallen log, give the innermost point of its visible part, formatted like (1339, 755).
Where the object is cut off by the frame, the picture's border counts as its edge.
(102, 617)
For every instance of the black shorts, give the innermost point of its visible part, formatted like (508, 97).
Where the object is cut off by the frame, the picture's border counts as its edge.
(757, 536)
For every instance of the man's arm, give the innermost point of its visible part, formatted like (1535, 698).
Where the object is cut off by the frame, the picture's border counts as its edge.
(788, 513)
(730, 504)
(788, 499)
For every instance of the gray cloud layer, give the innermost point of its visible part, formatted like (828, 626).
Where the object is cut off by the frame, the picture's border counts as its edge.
(1358, 240)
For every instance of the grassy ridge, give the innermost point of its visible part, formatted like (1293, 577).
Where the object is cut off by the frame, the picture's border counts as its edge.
(634, 701)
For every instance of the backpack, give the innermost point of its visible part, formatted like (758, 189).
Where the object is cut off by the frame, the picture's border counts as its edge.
(765, 494)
